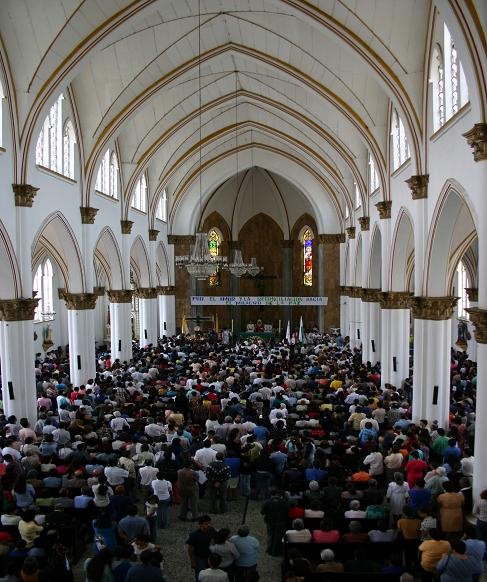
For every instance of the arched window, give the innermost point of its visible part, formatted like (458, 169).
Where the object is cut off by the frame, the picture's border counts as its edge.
(161, 210)
(2, 96)
(68, 149)
(55, 144)
(358, 199)
(43, 286)
(307, 241)
(139, 197)
(438, 83)
(214, 243)
(462, 284)
(400, 145)
(373, 176)
(107, 177)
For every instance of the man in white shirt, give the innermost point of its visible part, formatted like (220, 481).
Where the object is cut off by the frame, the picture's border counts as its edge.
(115, 475)
(203, 457)
(147, 474)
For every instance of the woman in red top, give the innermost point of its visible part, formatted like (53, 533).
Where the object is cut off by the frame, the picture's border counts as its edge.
(326, 534)
(415, 469)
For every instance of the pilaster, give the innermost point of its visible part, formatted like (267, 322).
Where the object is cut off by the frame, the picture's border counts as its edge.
(433, 308)
(120, 295)
(364, 222)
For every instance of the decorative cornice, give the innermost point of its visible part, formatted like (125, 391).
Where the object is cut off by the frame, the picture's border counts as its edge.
(166, 290)
(472, 293)
(88, 214)
(477, 140)
(345, 290)
(153, 234)
(479, 319)
(355, 292)
(99, 291)
(418, 186)
(350, 232)
(371, 295)
(433, 308)
(24, 194)
(364, 222)
(120, 295)
(17, 309)
(395, 300)
(287, 244)
(80, 301)
(146, 292)
(181, 239)
(332, 239)
(384, 209)
(126, 226)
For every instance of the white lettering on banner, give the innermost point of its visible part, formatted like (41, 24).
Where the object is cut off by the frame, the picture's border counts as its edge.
(257, 301)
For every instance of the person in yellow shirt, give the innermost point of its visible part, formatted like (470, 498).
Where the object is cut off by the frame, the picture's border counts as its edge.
(336, 383)
(432, 550)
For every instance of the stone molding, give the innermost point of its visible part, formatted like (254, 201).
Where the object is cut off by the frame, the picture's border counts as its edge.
(99, 291)
(473, 293)
(88, 214)
(24, 194)
(146, 292)
(166, 290)
(371, 295)
(181, 239)
(350, 232)
(287, 243)
(433, 308)
(364, 222)
(395, 299)
(331, 239)
(126, 226)
(80, 301)
(384, 209)
(18, 309)
(153, 234)
(479, 318)
(120, 295)
(477, 140)
(355, 292)
(344, 290)
(418, 186)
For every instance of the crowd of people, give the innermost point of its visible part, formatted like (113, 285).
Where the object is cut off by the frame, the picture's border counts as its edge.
(187, 427)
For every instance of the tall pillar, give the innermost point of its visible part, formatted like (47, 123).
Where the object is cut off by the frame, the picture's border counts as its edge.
(24, 199)
(235, 310)
(431, 380)
(81, 334)
(473, 298)
(355, 311)
(147, 315)
(395, 326)
(331, 244)
(167, 310)
(344, 311)
(371, 328)
(17, 357)
(287, 247)
(182, 247)
(120, 324)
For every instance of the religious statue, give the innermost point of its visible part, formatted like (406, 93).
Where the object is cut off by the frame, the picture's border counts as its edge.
(47, 337)
(259, 326)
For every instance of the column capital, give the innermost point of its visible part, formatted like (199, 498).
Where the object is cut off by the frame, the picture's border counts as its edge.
(287, 243)
(395, 299)
(126, 226)
(183, 239)
(350, 232)
(371, 295)
(477, 140)
(331, 239)
(18, 309)
(355, 292)
(345, 290)
(433, 308)
(120, 295)
(88, 214)
(24, 194)
(418, 186)
(479, 319)
(166, 290)
(153, 234)
(364, 222)
(146, 292)
(61, 293)
(384, 209)
(99, 291)
(472, 293)
(80, 301)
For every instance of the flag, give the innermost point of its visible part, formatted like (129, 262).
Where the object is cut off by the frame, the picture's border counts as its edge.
(184, 325)
(301, 331)
(288, 332)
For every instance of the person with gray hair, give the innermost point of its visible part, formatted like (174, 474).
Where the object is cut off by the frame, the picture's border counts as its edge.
(328, 562)
(299, 533)
(248, 548)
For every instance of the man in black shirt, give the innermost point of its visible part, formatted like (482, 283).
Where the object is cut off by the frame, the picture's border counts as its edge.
(198, 544)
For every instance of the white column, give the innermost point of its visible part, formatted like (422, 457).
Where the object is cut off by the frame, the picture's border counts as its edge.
(321, 283)
(167, 311)
(374, 334)
(81, 332)
(147, 316)
(17, 358)
(473, 296)
(365, 330)
(431, 379)
(370, 325)
(355, 318)
(385, 347)
(395, 327)
(344, 315)
(120, 324)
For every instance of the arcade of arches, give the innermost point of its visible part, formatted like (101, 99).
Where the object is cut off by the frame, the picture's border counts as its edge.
(343, 144)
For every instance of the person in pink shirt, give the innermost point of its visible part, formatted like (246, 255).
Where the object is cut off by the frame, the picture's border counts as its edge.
(326, 534)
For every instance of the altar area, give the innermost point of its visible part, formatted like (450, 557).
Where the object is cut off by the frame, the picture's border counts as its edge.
(261, 330)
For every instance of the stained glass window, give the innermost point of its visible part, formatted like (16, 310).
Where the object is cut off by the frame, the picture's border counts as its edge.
(308, 257)
(214, 242)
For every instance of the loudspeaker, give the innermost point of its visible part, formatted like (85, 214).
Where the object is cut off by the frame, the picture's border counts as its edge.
(119, 345)
(394, 363)
(79, 362)
(165, 327)
(435, 395)
(145, 334)
(373, 345)
(358, 334)
(11, 390)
